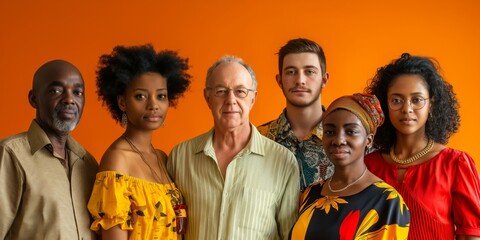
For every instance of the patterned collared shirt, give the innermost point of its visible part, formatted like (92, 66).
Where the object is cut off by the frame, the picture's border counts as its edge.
(312, 160)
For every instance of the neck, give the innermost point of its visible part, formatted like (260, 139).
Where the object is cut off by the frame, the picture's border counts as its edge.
(304, 120)
(141, 140)
(408, 145)
(58, 140)
(348, 174)
(235, 139)
(346, 184)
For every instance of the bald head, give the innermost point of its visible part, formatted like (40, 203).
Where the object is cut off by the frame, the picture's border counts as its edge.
(51, 70)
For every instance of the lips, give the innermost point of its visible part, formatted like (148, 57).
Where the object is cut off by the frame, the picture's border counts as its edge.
(299, 90)
(153, 118)
(408, 120)
(66, 113)
(338, 153)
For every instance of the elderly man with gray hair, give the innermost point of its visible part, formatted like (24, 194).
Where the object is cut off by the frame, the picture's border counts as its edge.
(237, 183)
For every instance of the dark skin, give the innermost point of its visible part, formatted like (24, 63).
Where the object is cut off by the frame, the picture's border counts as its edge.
(58, 96)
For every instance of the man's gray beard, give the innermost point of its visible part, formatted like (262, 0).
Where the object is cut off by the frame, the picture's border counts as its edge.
(64, 126)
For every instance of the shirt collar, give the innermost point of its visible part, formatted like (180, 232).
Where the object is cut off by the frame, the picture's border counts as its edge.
(253, 146)
(38, 139)
(286, 130)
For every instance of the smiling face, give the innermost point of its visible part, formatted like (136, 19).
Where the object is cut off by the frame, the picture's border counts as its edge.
(145, 102)
(230, 112)
(58, 96)
(407, 120)
(344, 137)
(301, 79)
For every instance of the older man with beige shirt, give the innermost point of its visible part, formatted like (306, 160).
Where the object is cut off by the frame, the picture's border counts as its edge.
(45, 176)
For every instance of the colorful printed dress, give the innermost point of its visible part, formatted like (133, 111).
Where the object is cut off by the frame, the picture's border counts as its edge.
(443, 193)
(142, 207)
(377, 212)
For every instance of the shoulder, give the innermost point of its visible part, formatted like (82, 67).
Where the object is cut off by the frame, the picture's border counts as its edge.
(263, 128)
(452, 153)
(192, 144)
(452, 157)
(90, 160)
(277, 151)
(461, 162)
(14, 141)
(116, 158)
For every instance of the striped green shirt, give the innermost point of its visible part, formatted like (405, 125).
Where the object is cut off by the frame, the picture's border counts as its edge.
(258, 199)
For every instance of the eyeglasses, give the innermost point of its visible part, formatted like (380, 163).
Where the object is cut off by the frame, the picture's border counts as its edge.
(396, 103)
(239, 92)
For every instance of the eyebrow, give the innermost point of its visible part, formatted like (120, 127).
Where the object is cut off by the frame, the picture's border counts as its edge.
(59, 83)
(345, 125)
(144, 89)
(411, 94)
(306, 66)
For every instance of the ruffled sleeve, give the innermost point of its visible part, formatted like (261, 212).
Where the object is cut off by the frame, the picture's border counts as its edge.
(110, 201)
(466, 197)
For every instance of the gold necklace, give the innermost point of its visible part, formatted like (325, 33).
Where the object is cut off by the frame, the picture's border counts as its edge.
(414, 157)
(348, 185)
(156, 176)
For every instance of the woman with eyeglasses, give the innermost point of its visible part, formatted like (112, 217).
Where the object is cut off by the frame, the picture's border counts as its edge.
(440, 185)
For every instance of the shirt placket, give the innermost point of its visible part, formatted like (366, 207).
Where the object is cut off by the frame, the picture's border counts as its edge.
(225, 219)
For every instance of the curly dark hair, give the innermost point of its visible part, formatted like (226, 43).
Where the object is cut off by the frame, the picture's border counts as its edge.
(119, 68)
(444, 119)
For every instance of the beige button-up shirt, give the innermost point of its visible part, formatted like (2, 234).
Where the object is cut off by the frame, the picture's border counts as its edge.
(258, 199)
(39, 199)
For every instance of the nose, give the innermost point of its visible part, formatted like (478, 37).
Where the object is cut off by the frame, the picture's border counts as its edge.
(68, 97)
(339, 139)
(300, 78)
(407, 106)
(152, 104)
(231, 98)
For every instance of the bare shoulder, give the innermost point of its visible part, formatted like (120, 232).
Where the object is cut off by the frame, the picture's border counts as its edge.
(116, 158)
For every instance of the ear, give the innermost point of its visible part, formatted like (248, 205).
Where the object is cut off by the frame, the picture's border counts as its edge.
(254, 98)
(206, 97)
(32, 99)
(279, 80)
(370, 140)
(325, 78)
(121, 102)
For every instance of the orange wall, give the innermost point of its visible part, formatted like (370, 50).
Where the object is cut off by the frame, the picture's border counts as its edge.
(358, 37)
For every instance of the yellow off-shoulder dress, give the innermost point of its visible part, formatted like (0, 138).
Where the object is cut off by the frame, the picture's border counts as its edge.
(144, 208)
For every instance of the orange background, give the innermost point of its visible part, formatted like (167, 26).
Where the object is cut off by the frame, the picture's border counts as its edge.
(357, 36)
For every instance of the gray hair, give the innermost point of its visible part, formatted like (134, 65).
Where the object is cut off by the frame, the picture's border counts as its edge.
(232, 59)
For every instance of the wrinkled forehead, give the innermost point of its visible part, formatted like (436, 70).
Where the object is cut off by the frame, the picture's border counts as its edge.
(230, 74)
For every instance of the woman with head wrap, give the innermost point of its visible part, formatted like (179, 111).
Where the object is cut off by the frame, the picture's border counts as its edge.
(353, 203)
